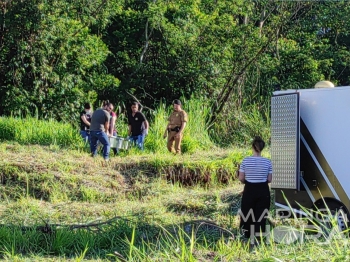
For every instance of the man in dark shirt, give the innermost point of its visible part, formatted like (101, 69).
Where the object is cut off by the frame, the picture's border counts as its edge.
(85, 120)
(138, 126)
(99, 130)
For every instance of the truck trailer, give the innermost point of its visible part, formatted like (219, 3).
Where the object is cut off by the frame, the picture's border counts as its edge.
(310, 150)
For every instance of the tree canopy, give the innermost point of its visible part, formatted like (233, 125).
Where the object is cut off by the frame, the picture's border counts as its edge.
(57, 54)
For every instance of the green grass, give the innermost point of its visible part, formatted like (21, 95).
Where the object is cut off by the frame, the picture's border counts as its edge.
(30, 130)
(33, 131)
(196, 135)
(64, 187)
(237, 126)
(61, 205)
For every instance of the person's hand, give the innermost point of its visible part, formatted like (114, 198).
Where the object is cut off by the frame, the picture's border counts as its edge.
(178, 135)
(165, 135)
(146, 132)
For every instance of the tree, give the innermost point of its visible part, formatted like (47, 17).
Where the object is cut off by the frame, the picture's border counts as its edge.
(50, 61)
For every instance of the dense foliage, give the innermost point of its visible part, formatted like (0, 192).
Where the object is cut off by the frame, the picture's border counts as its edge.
(55, 55)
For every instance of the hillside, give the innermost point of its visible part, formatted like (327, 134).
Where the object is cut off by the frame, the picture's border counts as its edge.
(62, 205)
(44, 186)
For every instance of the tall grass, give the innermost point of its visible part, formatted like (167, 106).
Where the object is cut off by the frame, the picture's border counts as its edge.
(139, 241)
(154, 141)
(122, 125)
(237, 126)
(52, 202)
(33, 131)
(196, 136)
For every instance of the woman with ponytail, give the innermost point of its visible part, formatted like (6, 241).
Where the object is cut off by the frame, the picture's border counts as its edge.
(255, 172)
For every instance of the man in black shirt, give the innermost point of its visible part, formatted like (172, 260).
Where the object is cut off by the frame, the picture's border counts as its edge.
(85, 120)
(138, 126)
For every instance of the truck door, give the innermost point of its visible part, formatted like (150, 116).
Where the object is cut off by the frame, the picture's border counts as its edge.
(285, 141)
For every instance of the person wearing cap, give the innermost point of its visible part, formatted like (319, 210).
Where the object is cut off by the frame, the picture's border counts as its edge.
(176, 124)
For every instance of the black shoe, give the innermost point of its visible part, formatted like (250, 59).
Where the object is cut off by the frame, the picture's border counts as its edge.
(115, 151)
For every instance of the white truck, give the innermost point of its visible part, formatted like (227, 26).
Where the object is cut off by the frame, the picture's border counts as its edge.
(310, 149)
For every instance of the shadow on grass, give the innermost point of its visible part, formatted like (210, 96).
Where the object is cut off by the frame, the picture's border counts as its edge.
(206, 205)
(112, 239)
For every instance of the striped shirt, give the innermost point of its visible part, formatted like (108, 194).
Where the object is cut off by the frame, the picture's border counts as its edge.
(256, 169)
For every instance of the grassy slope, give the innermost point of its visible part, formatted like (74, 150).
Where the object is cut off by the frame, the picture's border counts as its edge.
(63, 187)
(63, 181)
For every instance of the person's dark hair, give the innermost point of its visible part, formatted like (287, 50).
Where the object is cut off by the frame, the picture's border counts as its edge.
(108, 105)
(135, 104)
(105, 103)
(258, 144)
(177, 102)
(87, 106)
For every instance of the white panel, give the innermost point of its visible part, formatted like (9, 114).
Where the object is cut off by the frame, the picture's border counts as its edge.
(326, 114)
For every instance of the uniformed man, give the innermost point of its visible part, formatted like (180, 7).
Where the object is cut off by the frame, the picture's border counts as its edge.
(174, 130)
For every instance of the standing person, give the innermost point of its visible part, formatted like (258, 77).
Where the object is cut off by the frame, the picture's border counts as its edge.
(138, 126)
(112, 118)
(113, 129)
(85, 120)
(99, 130)
(112, 126)
(174, 130)
(255, 172)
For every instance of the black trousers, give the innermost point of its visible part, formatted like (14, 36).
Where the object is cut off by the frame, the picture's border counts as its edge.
(254, 208)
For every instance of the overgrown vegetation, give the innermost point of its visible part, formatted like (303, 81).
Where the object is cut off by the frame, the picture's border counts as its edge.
(237, 125)
(30, 130)
(62, 205)
(56, 54)
(64, 187)
(223, 58)
(238, 128)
